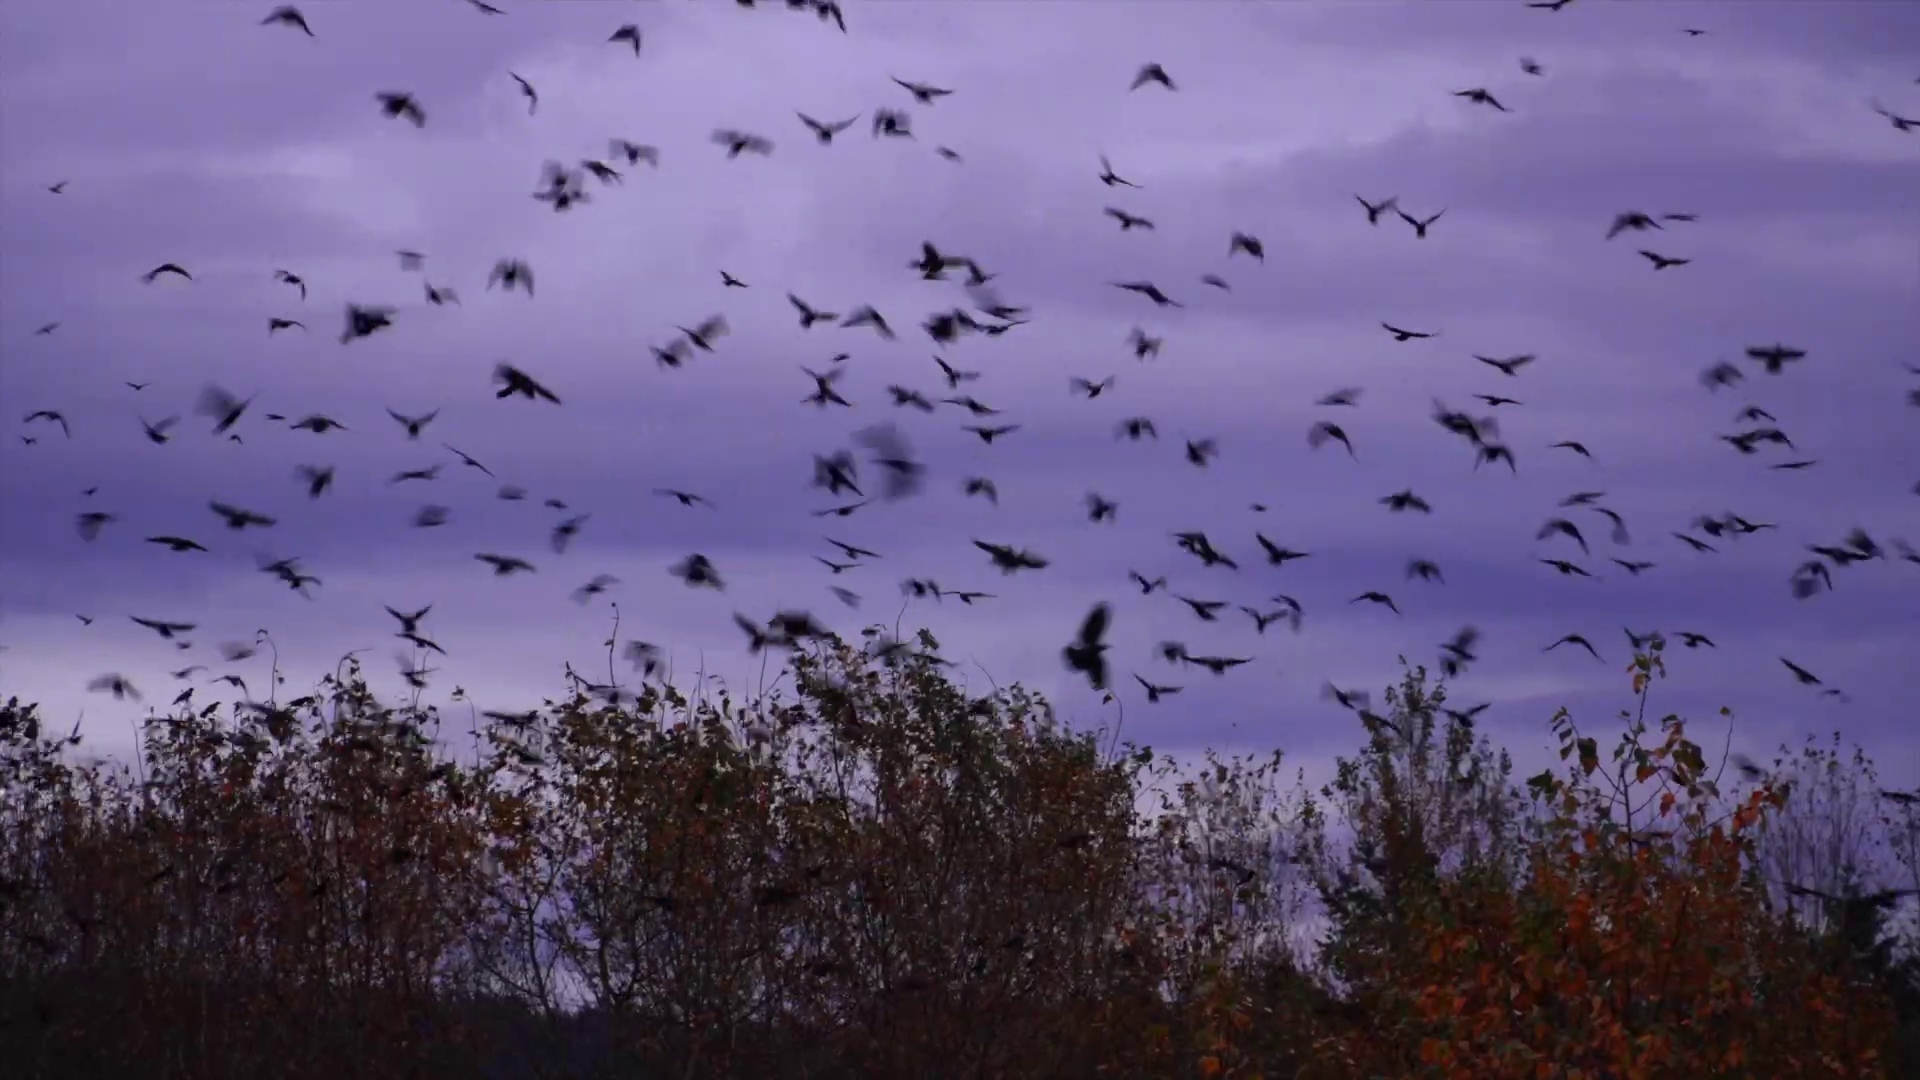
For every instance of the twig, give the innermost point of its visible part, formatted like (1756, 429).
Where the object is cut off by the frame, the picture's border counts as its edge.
(613, 637)
(988, 674)
(1114, 747)
(273, 673)
(140, 754)
(700, 680)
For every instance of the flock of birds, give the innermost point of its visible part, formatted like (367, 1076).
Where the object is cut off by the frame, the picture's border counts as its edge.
(888, 469)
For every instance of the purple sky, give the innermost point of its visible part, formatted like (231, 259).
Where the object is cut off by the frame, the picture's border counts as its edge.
(195, 135)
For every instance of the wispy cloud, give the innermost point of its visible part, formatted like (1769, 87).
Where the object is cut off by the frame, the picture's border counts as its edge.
(200, 137)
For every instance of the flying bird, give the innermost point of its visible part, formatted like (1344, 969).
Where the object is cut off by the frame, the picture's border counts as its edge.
(1574, 639)
(117, 685)
(1323, 433)
(634, 153)
(739, 142)
(1087, 654)
(1152, 73)
(237, 518)
(508, 273)
(1149, 290)
(1510, 366)
(52, 416)
(1800, 674)
(1374, 210)
(924, 93)
(514, 381)
(505, 565)
(1631, 219)
(1900, 123)
(1406, 500)
(527, 91)
(401, 106)
(216, 403)
(414, 425)
(1380, 598)
(91, 522)
(1419, 224)
(824, 132)
(365, 322)
(1479, 96)
(288, 16)
(317, 478)
(1774, 358)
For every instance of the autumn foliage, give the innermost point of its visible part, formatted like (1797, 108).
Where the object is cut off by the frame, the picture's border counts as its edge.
(877, 874)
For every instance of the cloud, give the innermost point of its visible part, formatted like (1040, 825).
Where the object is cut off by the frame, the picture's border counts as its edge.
(238, 149)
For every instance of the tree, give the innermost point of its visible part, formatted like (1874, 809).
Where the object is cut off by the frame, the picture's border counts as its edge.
(876, 873)
(1639, 944)
(1421, 801)
(1831, 835)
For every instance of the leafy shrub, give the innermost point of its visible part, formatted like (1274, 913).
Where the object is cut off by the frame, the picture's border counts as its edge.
(875, 874)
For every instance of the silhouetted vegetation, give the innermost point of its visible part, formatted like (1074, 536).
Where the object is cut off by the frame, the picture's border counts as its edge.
(876, 874)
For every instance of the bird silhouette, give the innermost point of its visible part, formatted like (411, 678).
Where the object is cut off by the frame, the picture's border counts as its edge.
(513, 382)
(1324, 431)
(1111, 178)
(401, 106)
(1149, 290)
(1374, 210)
(739, 142)
(1574, 639)
(1402, 501)
(1380, 598)
(923, 93)
(287, 15)
(1151, 73)
(505, 565)
(824, 132)
(1510, 366)
(1479, 96)
(1420, 225)
(527, 91)
(1086, 655)
(52, 416)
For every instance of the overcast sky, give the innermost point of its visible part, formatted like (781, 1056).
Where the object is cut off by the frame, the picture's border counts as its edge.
(192, 134)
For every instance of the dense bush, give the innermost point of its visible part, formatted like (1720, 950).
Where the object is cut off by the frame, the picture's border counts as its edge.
(876, 875)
